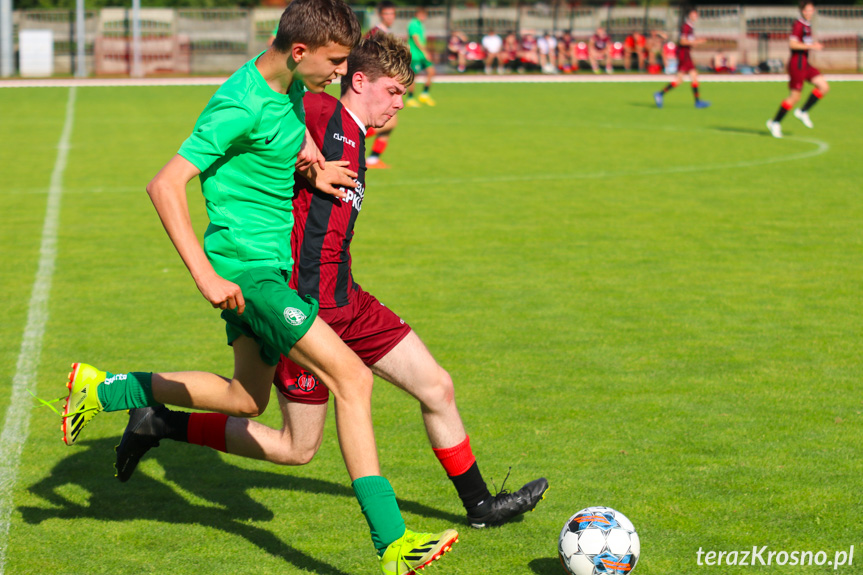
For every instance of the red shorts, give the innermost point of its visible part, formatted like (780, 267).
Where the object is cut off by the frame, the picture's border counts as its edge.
(684, 63)
(799, 74)
(369, 328)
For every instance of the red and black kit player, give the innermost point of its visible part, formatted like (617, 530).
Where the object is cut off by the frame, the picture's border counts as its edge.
(800, 70)
(685, 65)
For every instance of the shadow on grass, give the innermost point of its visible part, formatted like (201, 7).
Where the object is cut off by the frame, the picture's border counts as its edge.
(736, 130)
(546, 566)
(200, 472)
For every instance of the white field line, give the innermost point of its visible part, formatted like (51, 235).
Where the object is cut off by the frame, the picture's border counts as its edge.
(446, 79)
(16, 426)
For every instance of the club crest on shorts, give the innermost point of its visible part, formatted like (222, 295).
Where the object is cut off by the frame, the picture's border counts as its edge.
(306, 382)
(294, 316)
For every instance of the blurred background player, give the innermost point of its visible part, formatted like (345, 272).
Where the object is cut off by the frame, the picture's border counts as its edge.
(528, 53)
(655, 43)
(420, 58)
(510, 50)
(456, 48)
(386, 19)
(800, 71)
(547, 47)
(723, 63)
(567, 60)
(492, 43)
(684, 61)
(636, 44)
(599, 49)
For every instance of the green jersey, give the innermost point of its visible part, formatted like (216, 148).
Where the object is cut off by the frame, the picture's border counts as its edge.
(245, 143)
(416, 28)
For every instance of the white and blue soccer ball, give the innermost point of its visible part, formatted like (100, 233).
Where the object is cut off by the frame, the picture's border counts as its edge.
(598, 541)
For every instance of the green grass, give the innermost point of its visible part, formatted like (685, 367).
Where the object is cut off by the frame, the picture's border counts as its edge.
(658, 310)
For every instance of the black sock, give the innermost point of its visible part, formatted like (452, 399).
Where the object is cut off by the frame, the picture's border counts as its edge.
(472, 489)
(813, 99)
(667, 88)
(695, 93)
(176, 425)
(426, 89)
(780, 114)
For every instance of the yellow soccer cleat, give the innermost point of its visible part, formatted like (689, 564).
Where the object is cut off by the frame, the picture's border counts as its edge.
(82, 403)
(426, 99)
(413, 551)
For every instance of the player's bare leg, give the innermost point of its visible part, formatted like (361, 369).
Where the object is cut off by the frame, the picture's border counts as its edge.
(774, 125)
(245, 395)
(820, 90)
(410, 366)
(323, 353)
(295, 443)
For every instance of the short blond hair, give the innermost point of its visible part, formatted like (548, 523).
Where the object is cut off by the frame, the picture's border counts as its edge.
(380, 55)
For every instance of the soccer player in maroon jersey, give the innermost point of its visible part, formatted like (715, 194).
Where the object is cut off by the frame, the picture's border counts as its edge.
(800, 71)
(378, 74)
(684, 61)
(387, 17)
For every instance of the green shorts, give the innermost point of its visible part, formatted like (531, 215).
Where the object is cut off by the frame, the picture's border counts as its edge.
(275, 315)
(419, 63)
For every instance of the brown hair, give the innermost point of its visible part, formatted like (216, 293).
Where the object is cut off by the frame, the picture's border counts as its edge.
(806, 3)
(378, 56)
(316, 23)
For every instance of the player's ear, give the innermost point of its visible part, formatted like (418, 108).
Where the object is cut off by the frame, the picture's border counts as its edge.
(298, 51)
(359, 82)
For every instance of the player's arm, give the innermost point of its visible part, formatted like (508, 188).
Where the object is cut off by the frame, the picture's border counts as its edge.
(796, 44)
(309, 154)
(168, 193)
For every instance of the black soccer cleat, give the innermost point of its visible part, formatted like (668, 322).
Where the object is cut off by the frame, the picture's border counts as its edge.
(145, 428)
(507, 506)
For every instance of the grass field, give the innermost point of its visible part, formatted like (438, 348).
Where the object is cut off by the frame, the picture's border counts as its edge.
(658, 310)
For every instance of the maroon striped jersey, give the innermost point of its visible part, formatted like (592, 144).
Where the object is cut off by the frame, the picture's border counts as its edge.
(324, 224)
(686, 31)
(802, 32)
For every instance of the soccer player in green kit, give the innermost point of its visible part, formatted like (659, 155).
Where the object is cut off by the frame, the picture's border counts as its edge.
(243, 147)
(420, 58)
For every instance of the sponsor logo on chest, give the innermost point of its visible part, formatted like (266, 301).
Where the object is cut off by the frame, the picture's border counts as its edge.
(344, 139)
(355, 196)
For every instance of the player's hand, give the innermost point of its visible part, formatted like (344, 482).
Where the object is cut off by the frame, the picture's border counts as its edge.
(817, 46)
(309, 155)
(222, 294)
(333, 178)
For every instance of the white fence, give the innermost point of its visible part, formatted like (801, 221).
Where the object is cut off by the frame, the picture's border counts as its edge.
(217, 41)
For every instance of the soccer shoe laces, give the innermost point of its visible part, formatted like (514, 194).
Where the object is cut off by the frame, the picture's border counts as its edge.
(502, 491)
(49, 405)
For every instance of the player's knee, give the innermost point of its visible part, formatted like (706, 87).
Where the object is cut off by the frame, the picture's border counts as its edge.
(357, 387)
(249, 406)
(440, 392)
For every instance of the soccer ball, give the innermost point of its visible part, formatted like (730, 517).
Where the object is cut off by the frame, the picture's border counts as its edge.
(598, 541)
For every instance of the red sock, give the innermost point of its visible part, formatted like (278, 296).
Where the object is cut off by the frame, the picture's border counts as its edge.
(786, 104)
(817, 93)
(208, 429)
(380, 145)
(456, 460)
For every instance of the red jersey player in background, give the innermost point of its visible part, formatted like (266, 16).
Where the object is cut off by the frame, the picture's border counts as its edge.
(377, 77)
(684, 61)
(800, 71)
(387, 17)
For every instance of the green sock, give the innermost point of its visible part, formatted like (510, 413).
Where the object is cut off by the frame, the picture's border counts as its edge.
(378, 503)
(126, 391)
